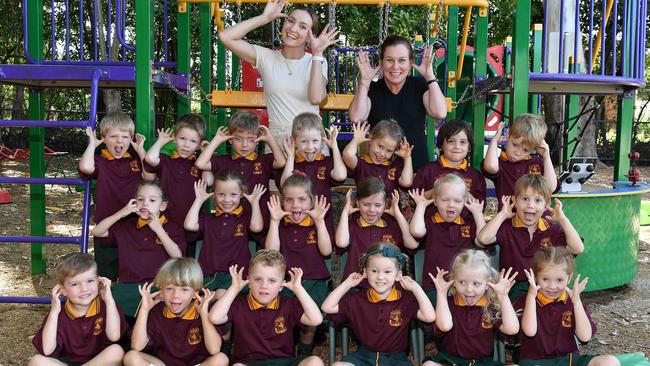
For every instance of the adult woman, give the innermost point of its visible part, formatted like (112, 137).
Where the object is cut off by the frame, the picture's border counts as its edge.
(397, 95)
(294, 80)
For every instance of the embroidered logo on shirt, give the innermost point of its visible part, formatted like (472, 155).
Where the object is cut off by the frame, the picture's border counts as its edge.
(567, 319)
(280, 327)
(239, 230)
(468, 183)
(257, 168)
(194, 336)
(134, 166)
(391, 173)
(545, 242)
(194, 171)
(320, 174)
(465, 231)
(486, 321)
(534, 169)
(388, 238)
(99, 324)
(311, 237)
(395, 319)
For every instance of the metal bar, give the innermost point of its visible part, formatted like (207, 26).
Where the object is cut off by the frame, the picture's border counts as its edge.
(538, 32)
(165, 31)
(545, 27)
(94, 92)
(85, 216)
(95, 50)
(451, 56)
(480, 72)
(463, 42)
(67, 31)
(53, 30)
(24, 300)
(576, 31)
(42, 123)
(119, 24)
(28, 180)
(603, 33)
(591, 35)
(109, 34)
(144, 97)
(183, 56)
(81, 30)
(41, 239)
(623, 136)
(560, 61)
(614, 40)
(521, 45)
(624, 37)
(206, 59)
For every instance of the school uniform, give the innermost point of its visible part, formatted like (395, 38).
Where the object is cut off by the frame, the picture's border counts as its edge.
(176, 340)
(428, 174)
(80, 337)
(555, 337)
(263, 332)
(363, 234)
(389, 171)
(380, 326)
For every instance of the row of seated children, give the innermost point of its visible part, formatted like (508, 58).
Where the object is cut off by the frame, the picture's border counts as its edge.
(177, 317)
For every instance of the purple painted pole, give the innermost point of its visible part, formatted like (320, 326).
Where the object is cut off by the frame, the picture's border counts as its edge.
(165, 20)
(576, 32)
(41, 239)
(28, 56)
(85, 216)
(624, 38)
(28, 180)
(560, 63)
(109, 34)
(119, 27)
(544, 66)
(81, 30)
(24, 300)
(53, 31)
(41, 123)
(603, 31)
(591, 36)
(67, 31)
(94, 25)
(614, 38)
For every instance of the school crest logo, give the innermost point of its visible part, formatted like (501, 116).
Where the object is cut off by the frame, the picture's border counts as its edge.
(468, 183)
(311, 237)
(194, 336)
(465, 231)
(134, 166)
(395, 319)
(391, 173)
(99, 324)
(534, 169)
(280, 327)
(486, 321)
(194, 171)
(320, 174)
(239, 230)
(257, 168)
(545, 242)
(388, 238)
(567, 319)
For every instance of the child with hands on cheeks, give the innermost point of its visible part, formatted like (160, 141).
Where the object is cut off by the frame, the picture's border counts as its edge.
(380, 315)
(90, 324)
(370, 221)
(470, 306)
(173, 323)
(272, 315)
(386, 139)
(554, 315)
(522, 232)
(225, 233)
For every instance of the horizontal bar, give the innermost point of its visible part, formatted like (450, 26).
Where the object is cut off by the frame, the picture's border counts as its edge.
(41, 239)
(24, 300)
(478, 3)
(587, 78)
(57, 181)
(42, 123)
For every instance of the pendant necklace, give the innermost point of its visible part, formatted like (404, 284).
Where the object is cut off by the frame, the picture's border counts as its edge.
(286, 63)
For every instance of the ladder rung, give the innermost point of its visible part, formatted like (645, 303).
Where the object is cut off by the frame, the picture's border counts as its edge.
(42, 239)
(28, 180)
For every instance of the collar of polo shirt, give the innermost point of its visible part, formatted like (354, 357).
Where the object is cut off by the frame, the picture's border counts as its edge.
(142, 222)
(374, 297)
(379, 223)
(191, 312)
(368, 160)
(255, 305)
(110, 156)
(176, 155)
(300, 158)
(437, 218)
(542, 224)
(252, 156)
(445, 164)
(543, 300)
(307, 221)
(458, 300)
(238, 211)
(93, 309)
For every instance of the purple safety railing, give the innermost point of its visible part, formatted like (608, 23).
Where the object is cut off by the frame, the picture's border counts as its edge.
(621, 48)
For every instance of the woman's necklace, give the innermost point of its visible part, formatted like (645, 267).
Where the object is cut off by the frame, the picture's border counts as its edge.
(286, 63)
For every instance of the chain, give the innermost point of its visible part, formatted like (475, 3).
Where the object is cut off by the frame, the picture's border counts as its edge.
(332, 13)
(185, 93)
(387, 17)
(466, 96)
(381, 26)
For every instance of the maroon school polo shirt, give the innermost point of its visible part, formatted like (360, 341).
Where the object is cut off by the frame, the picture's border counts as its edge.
(381, 326)
(225, 239)
(177, 176)
(177, 341)
(517, 249)
(363, 235)
(299, 246)
(555, 328)
(80, 338)
(117, 182)
(389, 171)
(140, 251)
(472, 335)
(263, 332)
(443, 241)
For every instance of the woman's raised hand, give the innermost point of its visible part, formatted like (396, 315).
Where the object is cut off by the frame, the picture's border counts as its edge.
(273, 10)
(326, 38)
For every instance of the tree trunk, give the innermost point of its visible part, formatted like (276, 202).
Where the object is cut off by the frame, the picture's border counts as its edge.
(112, 98)
(586, 146)
(553, 114)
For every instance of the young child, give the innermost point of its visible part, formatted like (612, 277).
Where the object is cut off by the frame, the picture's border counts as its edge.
(470, 307)
(454, 143)
(380, 315)
(117, 169)
(521, 233)
(525, 135)
(370, 222)
(225, 233)
(263, 320)
(173, 324)
(297, 229)
(445, 231)
(87, 329)
(554, 315)
(145, 239)
(386, 139)
(244, 132)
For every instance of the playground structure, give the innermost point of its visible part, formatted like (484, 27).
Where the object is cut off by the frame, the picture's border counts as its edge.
(537, 61)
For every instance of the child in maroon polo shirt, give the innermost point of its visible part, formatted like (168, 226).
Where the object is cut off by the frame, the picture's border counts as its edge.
(380, 315)
(370, 222)
(177, 173)
(554, 315)
(87, 329)
(446, 232)
(244, 132)
(525, 135)
(453, 143)
(263, 320)
(173, 326)
(304, 154)
(225, 232)
(522, 232)
(386, 139)
(470, 307)
(118, 170)
(298, 230)
(145, 240)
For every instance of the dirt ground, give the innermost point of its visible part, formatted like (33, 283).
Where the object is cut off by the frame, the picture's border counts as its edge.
(622, 314)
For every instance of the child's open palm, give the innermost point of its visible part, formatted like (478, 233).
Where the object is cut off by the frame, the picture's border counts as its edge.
(203, 302)
(439, 281)
(264, 134)
(506, 281)
(557, 213)
(320, 208)
(237, 276)
(473, 204)
(331, 135)
(360, 132)
(348, 208)
(394, 203)
(289, 147)
(200, 190)
(408, 283)
(578, 288)
(254, 196)
(149, 300)
(275, 208)
(354, 279)
(405, 149)
(507, 206)
(532, 285)
(92, 137)
(295, 279)
(165, 135)
(418, 197)
(222, 135)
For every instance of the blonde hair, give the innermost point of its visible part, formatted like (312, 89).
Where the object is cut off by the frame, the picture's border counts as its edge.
(192, 121)
(553, 256)
(244, 121)
(451, 179)
(184, 272)
(306, 121)
(477, 259)
(534, 182)
(531, 128)
(268, 257)
(72, 264)
(118, 120)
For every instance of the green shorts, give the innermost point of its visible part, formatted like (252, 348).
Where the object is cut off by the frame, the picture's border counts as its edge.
(127, 297)
(217, 281)
(105, 254)
(446, 358)
(572, 359)
(317, 289)
(289, 361)
(65, 361)
(364, 357)
(519, 290)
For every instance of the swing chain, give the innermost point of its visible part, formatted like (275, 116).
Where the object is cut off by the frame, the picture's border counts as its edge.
(185, 93)
(332, 53)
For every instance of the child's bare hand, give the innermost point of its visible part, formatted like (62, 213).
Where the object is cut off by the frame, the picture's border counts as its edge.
(295, 279)
(578, 288)
(331, 135)
(499, 135)
(557, 213)
(355, 279)
(129, 208)
(105, 289)
(506, 281)
(237, 276)
(360, 132)
(508, 206)
(264, 135)
(57, 292)
(394, 203)
(289, 147)
(200, 190)
(138, 143)
(442, 285)
(275, 208)
(532, 285)
(349, 208)
(149, 300)
(257, 193)
(154, 222)
(418, 197)
(92, 137)
(473, 204)
(542, 149)
(405, 149)
(165, 135)
(320, 208)
(202, 303)
(222, 135)
(203, 145)
(408, 283)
